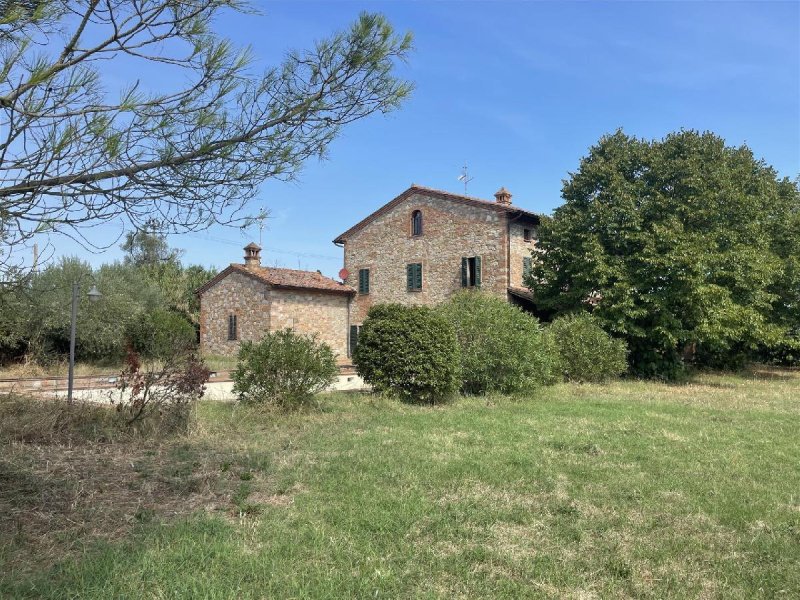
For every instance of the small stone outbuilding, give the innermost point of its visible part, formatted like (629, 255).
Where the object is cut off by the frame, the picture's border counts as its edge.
(244, 301)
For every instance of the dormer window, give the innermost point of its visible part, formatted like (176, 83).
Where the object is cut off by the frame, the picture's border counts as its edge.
(416, 223)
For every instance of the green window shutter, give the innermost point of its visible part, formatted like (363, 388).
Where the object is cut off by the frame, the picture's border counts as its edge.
(363, 281)
(464, 272)
(526, 266)
(414, 276)
(353, 338)
(477, 271)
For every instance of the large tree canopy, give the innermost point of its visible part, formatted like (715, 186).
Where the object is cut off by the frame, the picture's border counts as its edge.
(685, 246)
(186, 144)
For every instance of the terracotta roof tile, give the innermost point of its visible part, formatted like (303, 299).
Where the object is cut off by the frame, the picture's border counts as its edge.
(419, 189)
(283, 278)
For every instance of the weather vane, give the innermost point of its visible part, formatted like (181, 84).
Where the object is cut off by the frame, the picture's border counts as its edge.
(465, 177)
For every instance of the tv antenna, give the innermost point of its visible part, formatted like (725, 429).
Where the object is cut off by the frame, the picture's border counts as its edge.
(262, 215)
(465, 177)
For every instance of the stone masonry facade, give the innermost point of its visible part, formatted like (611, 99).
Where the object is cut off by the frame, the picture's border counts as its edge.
(238, 295)
(320, 308)
(455, 231)
(312, 313)
(451, 231)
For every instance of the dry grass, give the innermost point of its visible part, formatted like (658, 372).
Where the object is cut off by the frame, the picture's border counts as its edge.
(71, 476)
(626, 490)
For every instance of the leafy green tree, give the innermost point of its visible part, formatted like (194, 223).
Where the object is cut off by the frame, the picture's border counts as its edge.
(675, 243)
(45, 309)
(77, 152)
(150, 252)
(149, 248)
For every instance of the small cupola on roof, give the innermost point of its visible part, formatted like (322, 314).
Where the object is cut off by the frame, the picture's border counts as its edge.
(503, 196)
(252, 255)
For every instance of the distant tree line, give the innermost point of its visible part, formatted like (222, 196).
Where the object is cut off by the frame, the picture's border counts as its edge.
(149, 281)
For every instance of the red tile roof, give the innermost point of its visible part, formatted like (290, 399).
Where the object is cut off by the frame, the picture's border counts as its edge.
(418, 189)
(283, 278)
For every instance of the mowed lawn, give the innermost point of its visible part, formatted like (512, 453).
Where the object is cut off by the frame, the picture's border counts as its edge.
(631, 489)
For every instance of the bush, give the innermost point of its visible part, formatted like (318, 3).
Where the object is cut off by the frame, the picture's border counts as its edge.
(159, 333)
(409, 351)
(586, 351)
(158, 395)
(503, 349)
(283, 368)
(783, 351)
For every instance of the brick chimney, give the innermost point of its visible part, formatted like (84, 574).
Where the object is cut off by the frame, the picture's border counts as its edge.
(503, 196)
(252, 255)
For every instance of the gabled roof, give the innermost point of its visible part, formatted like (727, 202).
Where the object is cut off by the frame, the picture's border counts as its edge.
(418, 189)
(291, 279)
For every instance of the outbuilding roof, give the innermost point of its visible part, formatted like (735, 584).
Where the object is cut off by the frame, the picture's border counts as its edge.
(418, 189)
(282, 278)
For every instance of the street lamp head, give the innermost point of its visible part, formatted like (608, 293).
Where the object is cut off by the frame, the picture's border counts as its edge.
(94, 294)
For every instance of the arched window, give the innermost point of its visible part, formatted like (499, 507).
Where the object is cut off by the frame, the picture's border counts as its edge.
(416, 222)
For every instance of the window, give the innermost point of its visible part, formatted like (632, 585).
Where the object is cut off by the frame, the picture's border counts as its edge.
(414, 276)
(363, 281)
(526, 234)
(416, 222)
(471, 271)
(233, 333)
(353, 341)
(527, 262)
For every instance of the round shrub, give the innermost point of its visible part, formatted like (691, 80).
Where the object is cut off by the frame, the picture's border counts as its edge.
(409, 351)
(284, 368)
(587, 352)
(160, 334)
(503, 348)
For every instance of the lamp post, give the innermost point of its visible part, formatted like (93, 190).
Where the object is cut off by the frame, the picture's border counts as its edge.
(94, 295)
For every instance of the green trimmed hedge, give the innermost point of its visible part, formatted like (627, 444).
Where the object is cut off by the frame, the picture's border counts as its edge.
(408, 351)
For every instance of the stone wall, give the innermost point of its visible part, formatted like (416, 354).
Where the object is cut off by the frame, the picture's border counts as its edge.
(519, 249)
(309, 312)
(240, 295)
(450, 231)
(259, 309)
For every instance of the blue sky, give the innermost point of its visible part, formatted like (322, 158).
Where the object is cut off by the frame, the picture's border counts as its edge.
(520, 91)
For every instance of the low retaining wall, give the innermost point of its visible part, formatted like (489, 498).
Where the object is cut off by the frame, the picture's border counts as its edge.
(96, 388)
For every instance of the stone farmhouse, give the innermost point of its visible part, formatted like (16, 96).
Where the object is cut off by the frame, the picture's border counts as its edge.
(420, 248)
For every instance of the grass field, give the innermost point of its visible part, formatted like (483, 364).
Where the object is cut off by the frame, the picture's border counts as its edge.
(627, 490)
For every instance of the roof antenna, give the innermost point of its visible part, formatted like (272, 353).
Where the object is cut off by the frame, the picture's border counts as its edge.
(465, 177)
(262, 215)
